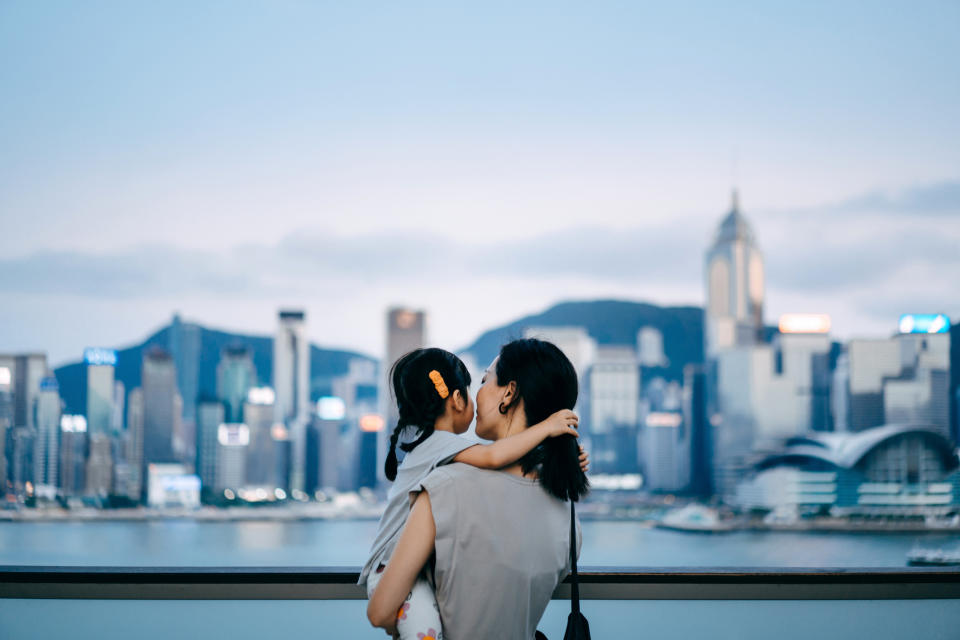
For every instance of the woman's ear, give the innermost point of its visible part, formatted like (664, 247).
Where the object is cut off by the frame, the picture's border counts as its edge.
(510, 396)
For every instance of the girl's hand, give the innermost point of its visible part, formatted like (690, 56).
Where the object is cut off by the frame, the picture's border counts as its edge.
(562, 423)
(584, 460)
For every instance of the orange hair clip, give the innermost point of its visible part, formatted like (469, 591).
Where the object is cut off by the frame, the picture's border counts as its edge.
(438, 382)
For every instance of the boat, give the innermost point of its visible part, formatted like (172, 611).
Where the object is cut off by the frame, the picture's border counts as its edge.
(917, 557)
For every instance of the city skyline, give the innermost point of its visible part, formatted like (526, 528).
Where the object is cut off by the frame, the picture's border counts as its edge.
(470, 162)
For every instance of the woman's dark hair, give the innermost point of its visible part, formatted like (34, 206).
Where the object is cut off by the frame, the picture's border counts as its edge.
(419, 403)
(546, 382)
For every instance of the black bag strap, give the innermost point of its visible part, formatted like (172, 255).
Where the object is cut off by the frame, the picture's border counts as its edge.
(574, 580)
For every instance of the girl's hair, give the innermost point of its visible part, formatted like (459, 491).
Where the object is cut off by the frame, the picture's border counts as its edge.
(546, 382)
(419, 402)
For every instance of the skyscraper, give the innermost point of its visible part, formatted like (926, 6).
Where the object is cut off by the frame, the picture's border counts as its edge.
(25, 372)
(210, 415)
(46, 445)
(614, 393)
(291, 382)
(134, 446)
(100, 365)
(259, 413)
(73, 446)
(184, 347)
(99, 469)
(697, 430)
(236, 375)
(161, 408)
(734, 284)
(6, 416)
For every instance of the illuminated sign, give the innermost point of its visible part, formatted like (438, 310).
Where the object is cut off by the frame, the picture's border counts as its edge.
(331, 408)
(924, 323)
(97, 356)
(233, 434)
(48, 384)
(804, 323)
(5, 376)
(261, 395)
(73, 424)
(371, 423)
(664, 419)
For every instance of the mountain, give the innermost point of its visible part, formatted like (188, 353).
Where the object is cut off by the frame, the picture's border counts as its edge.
(199, 377)
(611, 322)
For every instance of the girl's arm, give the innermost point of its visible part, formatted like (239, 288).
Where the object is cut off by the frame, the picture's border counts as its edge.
(510, 449)
(411, 554)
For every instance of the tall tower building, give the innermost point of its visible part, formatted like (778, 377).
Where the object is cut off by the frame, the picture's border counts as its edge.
(161, 408)
(734, 283)
(210, 415)
(291, 382)
(259, 415)
(47, 419)
(6, 415)
(134, 446)
(100, 368)
(406, 331)
(236, 375)
(73, 446)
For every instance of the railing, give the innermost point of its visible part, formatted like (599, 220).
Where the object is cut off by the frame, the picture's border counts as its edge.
(597, 583)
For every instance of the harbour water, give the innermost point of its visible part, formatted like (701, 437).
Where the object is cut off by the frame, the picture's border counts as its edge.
(344, 543)
(184, 542)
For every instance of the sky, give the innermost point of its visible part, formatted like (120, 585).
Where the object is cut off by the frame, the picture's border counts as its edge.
(481, 161)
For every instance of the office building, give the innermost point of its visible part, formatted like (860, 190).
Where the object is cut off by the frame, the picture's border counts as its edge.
(99, 469)
(259, 412)
(73, 449)
(291, 383)
(100, 364)
(6, 416)
(46, 445)
(734, 284)
(24, 372)
(664, 452)
(231, 458)
(614, 399)
(697, 431)
(650, 348)
(162, 408)
(236, 375)
(210, 415)
(134, 446)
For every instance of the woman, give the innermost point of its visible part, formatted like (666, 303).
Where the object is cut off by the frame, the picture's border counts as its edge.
(499, 539)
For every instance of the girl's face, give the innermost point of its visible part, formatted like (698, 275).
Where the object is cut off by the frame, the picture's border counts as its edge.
(490, 421)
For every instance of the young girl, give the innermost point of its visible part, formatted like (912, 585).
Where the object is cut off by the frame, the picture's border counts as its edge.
(431, 387)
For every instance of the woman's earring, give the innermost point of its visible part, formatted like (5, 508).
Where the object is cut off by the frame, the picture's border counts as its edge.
(502, 409)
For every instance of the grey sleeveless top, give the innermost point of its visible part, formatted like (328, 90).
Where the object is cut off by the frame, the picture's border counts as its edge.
(502, 545)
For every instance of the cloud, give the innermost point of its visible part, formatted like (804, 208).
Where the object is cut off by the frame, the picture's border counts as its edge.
(940, 198)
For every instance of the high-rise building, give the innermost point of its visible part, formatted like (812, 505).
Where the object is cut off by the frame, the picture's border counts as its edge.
(236, 375)
(100, 364)
(73, 447)
(25, 372)
(99, 469)
(614, 400)
(210, 415)
(291, 383)
(259, 413)
(697, 431)
(406, 331)
(650, 347)
(870, 363)
(47, 418)
(665, 467)
(6, 416)
(734, 283)
(134, 446)
(904, 380)
(183, 342)
(119, 407)
(367, 467)
(161, 408)
(232, 443)
(324, 454)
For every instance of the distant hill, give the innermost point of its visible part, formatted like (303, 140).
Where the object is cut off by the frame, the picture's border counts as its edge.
(324, 363)
(611, 322)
